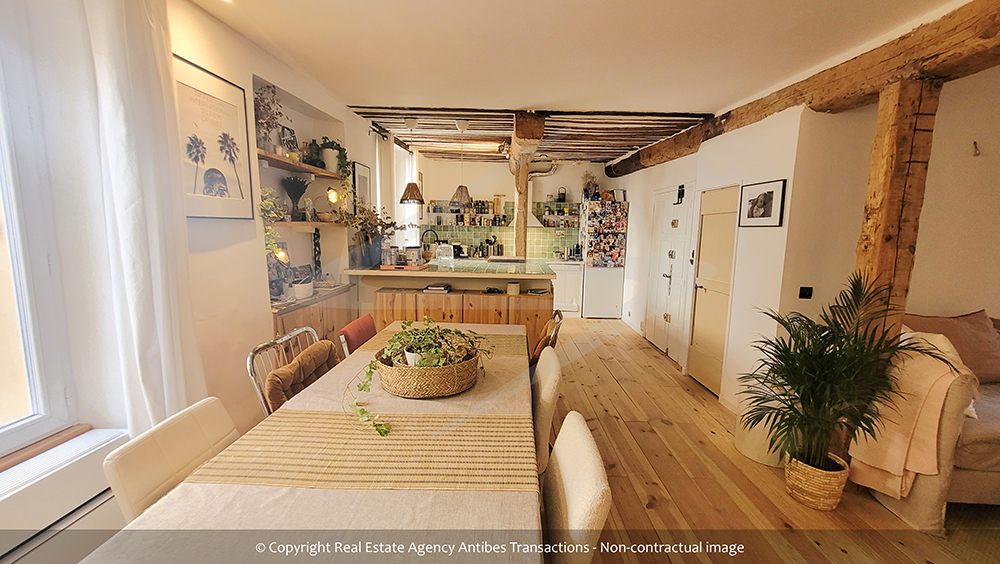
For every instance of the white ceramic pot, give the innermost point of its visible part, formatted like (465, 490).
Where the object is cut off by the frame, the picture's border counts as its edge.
(330, 159)
(303, 291)
(412, 358)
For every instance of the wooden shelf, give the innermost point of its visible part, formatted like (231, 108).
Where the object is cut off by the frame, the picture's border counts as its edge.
(279, 161)
(307, 226)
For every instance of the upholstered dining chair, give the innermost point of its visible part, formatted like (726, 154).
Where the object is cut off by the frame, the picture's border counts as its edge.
(357, 333)
(577, 498)
(147, 467)
(544, 340)
(544, 394)
(282, 383)
(557, 318)
(276, 353)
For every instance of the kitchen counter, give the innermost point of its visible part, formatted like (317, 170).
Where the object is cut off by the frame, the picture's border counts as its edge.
(533, 269)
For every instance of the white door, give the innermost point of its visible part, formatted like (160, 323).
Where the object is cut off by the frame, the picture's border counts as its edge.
(713, 276)
(665, 318)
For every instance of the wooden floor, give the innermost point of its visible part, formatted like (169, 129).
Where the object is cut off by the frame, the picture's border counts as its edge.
(676, 476)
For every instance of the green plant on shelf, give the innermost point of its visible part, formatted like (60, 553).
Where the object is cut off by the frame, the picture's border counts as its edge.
(271, 210)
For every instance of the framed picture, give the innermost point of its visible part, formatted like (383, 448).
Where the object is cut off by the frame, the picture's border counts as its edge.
(287, 138)
(362, 185)
(762, 204)
(215, 146)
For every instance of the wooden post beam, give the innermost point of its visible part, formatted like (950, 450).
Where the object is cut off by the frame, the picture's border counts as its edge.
(528, 131)
(961, 43)
(896, 180)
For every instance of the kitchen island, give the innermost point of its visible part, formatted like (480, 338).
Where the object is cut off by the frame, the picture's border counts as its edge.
(397, 295)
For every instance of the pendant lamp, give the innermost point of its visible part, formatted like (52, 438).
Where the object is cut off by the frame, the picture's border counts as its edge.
(461, 196)
(412, 194)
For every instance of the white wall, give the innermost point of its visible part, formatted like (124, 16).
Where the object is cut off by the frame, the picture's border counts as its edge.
(228, 271)
(957, 265)
(824, 221)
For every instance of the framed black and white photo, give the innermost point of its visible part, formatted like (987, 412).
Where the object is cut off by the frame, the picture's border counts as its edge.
(762, 204)
(287, 138)
(215, 146)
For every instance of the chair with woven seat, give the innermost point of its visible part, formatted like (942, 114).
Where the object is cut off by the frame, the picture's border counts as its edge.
(357, 333)
(577, 498)
(283, 383)
(147, 467)
(544, 394)
(276, 353)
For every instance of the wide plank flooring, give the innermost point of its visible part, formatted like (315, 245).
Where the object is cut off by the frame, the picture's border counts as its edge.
(676, 476)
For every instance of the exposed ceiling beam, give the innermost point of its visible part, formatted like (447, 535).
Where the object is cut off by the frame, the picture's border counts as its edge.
(961, 43)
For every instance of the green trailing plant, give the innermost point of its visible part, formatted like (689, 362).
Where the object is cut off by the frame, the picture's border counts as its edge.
(437, 345)
(271, 210)
(828, 375)
(344, 165)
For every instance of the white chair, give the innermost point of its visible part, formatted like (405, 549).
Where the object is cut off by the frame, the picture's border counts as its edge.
(544, 393)
(576, 492)
(147, 467)
(268, 356)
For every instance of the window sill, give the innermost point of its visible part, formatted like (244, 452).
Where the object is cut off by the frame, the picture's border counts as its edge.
(43, 489)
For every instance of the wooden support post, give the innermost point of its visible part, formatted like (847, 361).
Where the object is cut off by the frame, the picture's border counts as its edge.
(896, 180)
(528, 131)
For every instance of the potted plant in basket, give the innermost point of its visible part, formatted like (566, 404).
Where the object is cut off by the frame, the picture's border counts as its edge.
(429, 361)
(826, 377)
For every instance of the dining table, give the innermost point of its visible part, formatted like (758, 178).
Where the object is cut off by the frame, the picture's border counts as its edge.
(454, 479)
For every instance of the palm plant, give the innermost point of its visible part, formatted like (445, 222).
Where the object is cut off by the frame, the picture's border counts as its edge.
(828, 375)
(196, 152)
(231, 152)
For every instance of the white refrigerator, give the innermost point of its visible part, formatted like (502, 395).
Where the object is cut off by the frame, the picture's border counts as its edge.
(605, 226)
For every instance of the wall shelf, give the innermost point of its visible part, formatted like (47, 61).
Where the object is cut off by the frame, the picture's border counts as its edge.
(307, 226)
(279, 161)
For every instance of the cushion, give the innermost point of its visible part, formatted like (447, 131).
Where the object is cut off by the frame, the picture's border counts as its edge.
(974, 336)
(283, 383)
(979, 444)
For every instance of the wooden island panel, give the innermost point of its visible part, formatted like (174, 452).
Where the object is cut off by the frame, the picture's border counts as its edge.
(443, 308)
(532, 312)
(394, 304)
(486, 308)
(326, 312)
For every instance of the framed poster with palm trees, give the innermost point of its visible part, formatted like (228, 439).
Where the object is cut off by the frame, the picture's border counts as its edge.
(215, 147)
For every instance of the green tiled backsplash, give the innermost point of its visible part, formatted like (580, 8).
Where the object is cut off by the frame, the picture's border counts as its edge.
(541, 240)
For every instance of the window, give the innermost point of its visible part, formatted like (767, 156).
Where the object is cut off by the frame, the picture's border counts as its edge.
(34, 375)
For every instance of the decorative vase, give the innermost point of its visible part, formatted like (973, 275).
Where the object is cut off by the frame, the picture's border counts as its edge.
(331, 158)
(297, 214)
(815, 488)
(375, 252)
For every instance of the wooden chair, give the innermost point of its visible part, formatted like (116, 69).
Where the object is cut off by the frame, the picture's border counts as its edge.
(576, 492)
(544, 394)
(147, 467)
(558, 317)
(357, 333)
(266, 357)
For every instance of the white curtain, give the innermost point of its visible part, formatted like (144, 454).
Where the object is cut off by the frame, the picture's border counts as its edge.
(97, 74)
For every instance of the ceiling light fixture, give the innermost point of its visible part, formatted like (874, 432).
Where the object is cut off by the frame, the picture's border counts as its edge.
(461, 196)
(412, 195)
(411, 123)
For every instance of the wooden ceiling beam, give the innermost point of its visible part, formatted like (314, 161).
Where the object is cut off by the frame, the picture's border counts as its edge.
(963, 42)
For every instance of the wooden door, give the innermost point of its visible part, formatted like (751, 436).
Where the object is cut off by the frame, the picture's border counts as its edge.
(532, 312)
(485, 308)
(391, 304)
(443, 308)
(713, 276)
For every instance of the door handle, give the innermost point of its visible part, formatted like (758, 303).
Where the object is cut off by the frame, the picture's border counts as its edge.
(665, 275)
(699, 287)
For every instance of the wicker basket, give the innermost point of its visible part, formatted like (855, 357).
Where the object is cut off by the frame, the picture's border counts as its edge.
(815, 488)
(427, 381)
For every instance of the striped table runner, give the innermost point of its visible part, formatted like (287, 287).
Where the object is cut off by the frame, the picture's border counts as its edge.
(503, 345)
(333, 450)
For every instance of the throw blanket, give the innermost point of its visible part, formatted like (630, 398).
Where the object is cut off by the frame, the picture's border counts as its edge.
(907, 443)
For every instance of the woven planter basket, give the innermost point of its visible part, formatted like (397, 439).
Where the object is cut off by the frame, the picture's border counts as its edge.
(427, 381)
(815, 488)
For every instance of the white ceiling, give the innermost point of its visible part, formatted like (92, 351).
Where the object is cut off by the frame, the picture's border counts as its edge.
(635, 55)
